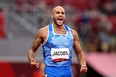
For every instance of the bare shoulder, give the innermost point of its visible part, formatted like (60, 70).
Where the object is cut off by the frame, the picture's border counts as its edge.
(42, 31)
(74, 33)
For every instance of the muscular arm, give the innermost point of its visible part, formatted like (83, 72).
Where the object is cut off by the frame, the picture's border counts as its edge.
(35, 44)
(78, 50)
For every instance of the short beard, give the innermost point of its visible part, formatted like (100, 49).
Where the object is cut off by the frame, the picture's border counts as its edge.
(56, 22)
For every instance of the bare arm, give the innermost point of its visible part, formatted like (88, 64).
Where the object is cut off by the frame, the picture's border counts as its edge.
(80, 55)
(35, 44)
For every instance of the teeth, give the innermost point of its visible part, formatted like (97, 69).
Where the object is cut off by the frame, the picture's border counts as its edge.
(60, 18)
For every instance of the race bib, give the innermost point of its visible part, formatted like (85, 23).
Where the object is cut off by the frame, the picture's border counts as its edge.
(59, 55)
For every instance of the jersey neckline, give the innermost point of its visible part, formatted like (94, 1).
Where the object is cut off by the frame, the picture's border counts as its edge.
(59, 34)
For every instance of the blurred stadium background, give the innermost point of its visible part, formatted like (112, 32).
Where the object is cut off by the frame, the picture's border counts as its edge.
(94, 20)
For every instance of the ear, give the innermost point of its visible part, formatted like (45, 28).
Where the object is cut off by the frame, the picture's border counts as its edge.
(65, 17)
(52, 16)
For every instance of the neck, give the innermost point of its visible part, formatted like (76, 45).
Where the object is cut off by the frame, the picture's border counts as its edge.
(57, 26)
(59, 29)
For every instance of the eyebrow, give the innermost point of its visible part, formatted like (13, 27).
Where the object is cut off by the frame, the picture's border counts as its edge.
(59, 12)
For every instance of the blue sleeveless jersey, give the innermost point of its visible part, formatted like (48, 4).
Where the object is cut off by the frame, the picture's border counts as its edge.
(57, 50)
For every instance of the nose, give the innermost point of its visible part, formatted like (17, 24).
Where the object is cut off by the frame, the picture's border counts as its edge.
(60, 14)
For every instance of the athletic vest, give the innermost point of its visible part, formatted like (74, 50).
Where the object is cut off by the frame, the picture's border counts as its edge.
(57, 50)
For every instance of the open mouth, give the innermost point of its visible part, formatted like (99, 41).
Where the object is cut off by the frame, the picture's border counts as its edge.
(60, 19)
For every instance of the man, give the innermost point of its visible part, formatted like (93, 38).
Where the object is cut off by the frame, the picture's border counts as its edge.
(58, 42)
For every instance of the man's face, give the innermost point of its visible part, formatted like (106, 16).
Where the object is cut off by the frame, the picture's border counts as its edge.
(58, 16)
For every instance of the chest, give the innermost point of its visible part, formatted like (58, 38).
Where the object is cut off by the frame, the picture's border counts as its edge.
(60, 40)
(59, 32)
